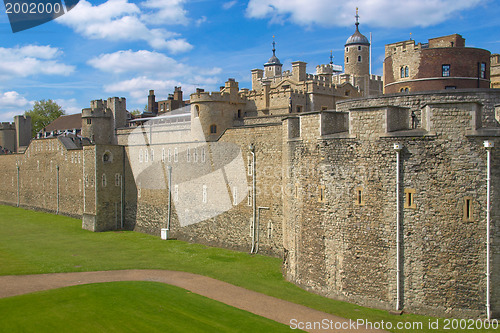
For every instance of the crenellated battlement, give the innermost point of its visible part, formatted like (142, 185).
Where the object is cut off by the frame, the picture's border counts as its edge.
(216, 96)
(7, 126)
(328, 69)
(96, 113)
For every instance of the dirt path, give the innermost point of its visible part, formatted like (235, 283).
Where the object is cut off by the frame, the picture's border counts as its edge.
(251, 301)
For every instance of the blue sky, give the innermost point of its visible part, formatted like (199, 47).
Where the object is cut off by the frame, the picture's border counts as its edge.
(124, 48)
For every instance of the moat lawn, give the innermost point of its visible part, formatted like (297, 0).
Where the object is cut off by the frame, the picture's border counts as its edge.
(126, 307)
(34, 242)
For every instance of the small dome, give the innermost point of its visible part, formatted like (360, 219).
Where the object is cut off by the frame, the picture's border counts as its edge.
(357, 39)
(273, 61)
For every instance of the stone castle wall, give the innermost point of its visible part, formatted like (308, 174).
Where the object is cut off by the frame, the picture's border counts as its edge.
(340, 220)
(416, 101)
(231, 228)
(50, 178)
(326, 182)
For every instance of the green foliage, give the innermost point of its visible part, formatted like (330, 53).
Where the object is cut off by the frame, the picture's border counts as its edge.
(126, 307)
(136, 112)
(43, 113)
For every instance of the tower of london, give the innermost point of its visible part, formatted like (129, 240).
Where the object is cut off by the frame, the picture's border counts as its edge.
(376, 199)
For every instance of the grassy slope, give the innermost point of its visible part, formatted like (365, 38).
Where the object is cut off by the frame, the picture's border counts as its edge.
(126, 307)
(34, 242)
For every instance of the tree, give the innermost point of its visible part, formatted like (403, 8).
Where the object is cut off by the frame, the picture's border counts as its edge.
(136, 112)
(43, 113)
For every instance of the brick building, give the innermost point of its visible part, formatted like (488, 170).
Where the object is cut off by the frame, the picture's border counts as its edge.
(442, 63)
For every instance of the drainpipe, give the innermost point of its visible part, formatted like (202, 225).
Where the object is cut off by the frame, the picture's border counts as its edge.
(18, 185)
(121, 202)
(122, 188)
(57, 173)
(169, 216)
(488, 145)
(254, 207)
(258, 223)
(398, 148)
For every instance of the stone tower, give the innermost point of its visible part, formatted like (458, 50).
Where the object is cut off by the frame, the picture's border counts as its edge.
(273, 66)
(357, 53)
(100, 121)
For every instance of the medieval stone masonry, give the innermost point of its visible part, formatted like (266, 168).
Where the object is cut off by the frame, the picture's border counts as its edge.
(380, 200)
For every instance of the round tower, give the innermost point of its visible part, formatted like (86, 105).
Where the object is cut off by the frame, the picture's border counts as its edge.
(357, 53)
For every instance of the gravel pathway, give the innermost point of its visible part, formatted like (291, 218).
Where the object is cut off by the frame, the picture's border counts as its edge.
(251, 301)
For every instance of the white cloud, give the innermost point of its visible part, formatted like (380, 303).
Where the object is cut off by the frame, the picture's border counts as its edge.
(70, 106)
(165, 12)
(229, 4)
(137, 72)
(201, 20)
(139, 86)
(12, 104)
(31, 60)
(383, 13)
(119, 20)
(142, 61)
(13, 99)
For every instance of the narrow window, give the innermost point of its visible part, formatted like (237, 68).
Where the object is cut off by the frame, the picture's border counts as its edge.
(205, 194)
(140, 156)
(203, 157)
(296, 191)
(410, 198)
(163, 154)
(407, 71)
(89, 121)
(188, 155)
(235, 195)
(195, 155)
(347, 49)
(446, 70)
(213, 129)
(483, 70)
(239, 113)
(346, 60)
(146, 156)
(249, 196)
(270, 230)
(359, 48)
(468, 209)
(321, 196)
(197, 110)
(359, 58)
(117, 179)
(152, 155)
(176, 155)
(169, 154)
(176, 192)
(250, 166)
(359, 199)
(104, 183)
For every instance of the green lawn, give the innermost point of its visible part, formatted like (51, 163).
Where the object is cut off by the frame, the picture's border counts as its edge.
(34, 242)
(126, 307)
